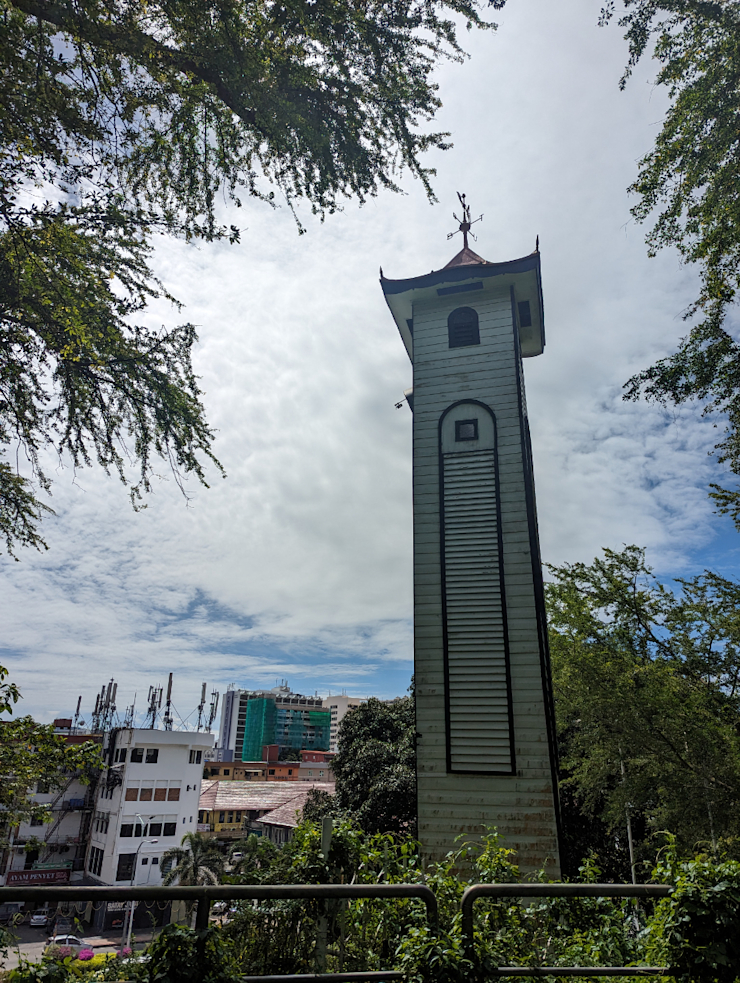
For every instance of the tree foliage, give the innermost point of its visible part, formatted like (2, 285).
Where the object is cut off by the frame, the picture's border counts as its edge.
(647, 689)
(375, 767)
(196, 861)
(119, 121)
(32, 754)
(691, 181)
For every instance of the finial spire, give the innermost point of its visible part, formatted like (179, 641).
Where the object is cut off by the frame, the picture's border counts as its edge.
(465, 222)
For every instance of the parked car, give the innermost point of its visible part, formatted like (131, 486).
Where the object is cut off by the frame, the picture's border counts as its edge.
(9, 910)
(74, 943)
(40, 918)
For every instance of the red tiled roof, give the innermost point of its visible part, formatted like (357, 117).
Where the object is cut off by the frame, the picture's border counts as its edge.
(260, 796)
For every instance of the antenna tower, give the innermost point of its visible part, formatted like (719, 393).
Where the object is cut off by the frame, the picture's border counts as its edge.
(212, 710)
(201, 705)
(154, 701)
(167, 719)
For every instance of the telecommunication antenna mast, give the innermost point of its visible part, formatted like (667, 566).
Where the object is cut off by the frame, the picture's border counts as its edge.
(167, 719)
(155, 702)
(201, 705)
(212, 710)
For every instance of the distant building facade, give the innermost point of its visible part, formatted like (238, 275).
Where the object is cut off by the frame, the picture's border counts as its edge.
(53, 852)
(251, 719)
(338, 707)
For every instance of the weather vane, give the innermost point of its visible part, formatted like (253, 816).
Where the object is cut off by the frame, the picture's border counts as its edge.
(465, 222)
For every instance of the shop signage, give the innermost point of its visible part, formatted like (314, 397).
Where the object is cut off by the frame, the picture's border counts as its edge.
(37, 877)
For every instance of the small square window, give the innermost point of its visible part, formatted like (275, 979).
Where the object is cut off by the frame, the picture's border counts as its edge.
(155, 829)
(152, 754)
(466, 430)
(170, 829)
(155, 861)
(127, 829)
(144, 861)
(137, 755)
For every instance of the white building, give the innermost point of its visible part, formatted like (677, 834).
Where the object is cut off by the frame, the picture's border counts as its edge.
(339, 705)
(147, 799)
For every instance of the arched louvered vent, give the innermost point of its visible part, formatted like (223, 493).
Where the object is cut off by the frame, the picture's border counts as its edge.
(478, 685)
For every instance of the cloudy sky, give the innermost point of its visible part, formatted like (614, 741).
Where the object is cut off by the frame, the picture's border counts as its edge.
(298, 564)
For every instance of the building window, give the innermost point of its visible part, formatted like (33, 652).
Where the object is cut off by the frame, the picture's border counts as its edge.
(36, 821)
(170, 829)
(144, 861)
(155, 829)
(466, 430)
(127, 829)
(222, 817)
(120, 754)
(173, 795)
(271, 771)
(125, 870)
(196, 757)
(137, 830)
(137, 755)
(462, 328)
(146, 795)
(226, 771)
(132, 794)
(160, 794)
(155, 861)
(152, 754)
(237, 816)
(96, 861)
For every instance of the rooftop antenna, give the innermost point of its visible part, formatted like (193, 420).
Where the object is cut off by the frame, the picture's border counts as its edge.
(76, 720)
(465, 221)
(212, 711)
(128, 720)
(167, 719)
(201, 705)
(154, 699)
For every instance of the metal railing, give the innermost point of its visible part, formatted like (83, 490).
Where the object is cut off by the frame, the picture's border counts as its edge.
(204, 896)
(476, 891)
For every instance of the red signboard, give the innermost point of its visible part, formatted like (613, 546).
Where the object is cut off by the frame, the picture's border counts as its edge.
(37, 877)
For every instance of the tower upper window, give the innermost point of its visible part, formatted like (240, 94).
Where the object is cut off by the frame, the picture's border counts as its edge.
(462, 327)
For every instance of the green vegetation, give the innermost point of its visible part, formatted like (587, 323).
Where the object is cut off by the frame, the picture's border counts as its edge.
(691, 180)
(31, 754)
(647, 691)
(122, 121)
(375, 767)
(693, 931)
(196, 861)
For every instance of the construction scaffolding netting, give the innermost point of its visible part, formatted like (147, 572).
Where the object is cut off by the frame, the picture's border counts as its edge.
(259, 728)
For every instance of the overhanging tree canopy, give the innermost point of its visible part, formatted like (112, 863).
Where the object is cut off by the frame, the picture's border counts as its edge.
(647, 691)
(119, 120)
(690, 180)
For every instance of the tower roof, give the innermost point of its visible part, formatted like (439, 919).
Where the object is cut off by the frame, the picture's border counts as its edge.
(466, 257)
(469, 272)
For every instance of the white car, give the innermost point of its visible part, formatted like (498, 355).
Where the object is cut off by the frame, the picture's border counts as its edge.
(72, 941)
(39, 919)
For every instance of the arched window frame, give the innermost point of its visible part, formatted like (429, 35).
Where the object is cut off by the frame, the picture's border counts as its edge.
(463, 328)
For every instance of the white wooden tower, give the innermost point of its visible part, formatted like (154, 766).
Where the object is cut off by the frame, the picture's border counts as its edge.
(486, 753)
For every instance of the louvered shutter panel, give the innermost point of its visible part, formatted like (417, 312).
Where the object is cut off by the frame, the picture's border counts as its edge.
(478, 686)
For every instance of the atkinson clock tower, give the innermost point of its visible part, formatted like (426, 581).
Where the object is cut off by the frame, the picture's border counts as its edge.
(486, 752)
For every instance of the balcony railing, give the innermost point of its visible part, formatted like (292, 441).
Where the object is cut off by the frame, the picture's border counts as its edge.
(204, 896)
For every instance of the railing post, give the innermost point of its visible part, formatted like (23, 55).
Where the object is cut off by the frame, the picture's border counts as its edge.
(201, 916)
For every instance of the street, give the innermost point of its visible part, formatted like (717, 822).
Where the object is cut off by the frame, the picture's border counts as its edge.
(31, 942)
